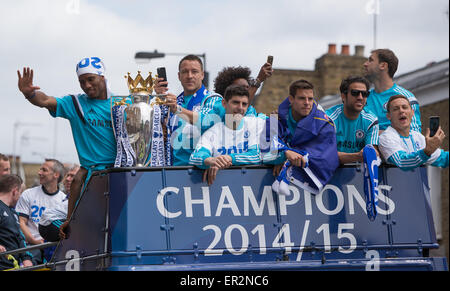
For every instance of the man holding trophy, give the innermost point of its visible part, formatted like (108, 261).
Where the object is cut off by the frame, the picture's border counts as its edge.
(89, 115)
(184, 130)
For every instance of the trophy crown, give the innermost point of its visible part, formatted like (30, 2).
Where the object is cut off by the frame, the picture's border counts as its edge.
(139, 84)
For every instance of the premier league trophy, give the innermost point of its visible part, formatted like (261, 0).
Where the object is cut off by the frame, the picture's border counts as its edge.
(133, 118)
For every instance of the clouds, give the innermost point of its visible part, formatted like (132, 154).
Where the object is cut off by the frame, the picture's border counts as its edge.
(49, 37)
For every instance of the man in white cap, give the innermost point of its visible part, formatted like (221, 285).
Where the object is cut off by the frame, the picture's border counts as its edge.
(89, 115)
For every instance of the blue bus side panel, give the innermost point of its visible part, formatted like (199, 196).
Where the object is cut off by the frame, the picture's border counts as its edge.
(169, 219)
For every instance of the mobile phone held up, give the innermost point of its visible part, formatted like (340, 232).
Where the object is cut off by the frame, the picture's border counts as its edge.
(434, 125)
(270, 59)
(162, 73)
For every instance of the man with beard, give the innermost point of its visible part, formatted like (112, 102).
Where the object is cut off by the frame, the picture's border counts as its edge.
(380, 69)
(355, 126)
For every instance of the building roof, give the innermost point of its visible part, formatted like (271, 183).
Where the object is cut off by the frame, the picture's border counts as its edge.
(432, 74)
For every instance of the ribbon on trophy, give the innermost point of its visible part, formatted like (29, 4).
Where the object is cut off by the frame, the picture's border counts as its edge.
(167, 144)
(159, 156)
(371, 162)
(125, 154)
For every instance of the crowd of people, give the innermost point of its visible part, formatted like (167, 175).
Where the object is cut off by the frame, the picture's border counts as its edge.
(214, 130)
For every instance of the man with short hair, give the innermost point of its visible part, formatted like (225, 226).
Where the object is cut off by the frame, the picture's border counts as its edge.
(5, 166)
(11, 237)
(52, 218)
(185, 108)
(355, 126)
(407, 148)
(306, 138)
(380, 69)
(89, 115)
(71, 171)
(34, 201)
(232, 142)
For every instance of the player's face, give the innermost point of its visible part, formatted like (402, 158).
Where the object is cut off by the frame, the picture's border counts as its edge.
(302, 102)
(68, 178)
(400, 114)
(371, 67)
(5, 168)
(93, 85)
(236, 106)
(354, 100)
(191, 76)
(46, 173)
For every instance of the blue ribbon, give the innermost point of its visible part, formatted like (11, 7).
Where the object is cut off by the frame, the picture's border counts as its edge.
(160, 156)
(371, 163)
(125, 154)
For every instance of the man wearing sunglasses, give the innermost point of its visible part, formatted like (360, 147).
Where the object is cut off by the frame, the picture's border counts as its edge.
(380, 69)
(356, 127)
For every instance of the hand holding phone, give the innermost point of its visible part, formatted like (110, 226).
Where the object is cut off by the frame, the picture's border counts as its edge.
(162, 74)
(434, 125)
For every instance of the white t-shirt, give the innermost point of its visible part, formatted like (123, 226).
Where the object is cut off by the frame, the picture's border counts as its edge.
(32, 204)
(221, 140)
(391, 142)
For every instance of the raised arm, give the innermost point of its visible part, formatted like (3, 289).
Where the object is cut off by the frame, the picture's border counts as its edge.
(265, 72)
(30, 92)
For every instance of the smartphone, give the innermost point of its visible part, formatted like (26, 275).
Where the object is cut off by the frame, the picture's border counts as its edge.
(270, 59)
(434, 125)
(162, 73)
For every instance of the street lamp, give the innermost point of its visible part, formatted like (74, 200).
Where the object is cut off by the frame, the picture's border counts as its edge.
(16, 127)
(155, 54)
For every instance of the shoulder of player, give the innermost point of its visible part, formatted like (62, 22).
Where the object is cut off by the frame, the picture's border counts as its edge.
(389, 134)
(402, 91)
(368, 116)
(335, 111)
(216, 129)
(31, 190)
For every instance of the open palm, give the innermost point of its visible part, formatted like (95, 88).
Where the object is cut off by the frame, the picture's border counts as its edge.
(26, 82)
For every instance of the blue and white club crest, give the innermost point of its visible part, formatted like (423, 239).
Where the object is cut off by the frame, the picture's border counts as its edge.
(359, 134)
(246, 134)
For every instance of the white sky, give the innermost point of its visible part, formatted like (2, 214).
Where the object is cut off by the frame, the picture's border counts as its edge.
(51, 36)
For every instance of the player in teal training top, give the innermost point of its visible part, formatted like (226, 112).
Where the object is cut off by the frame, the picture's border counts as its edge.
(380, 69)
(355, 126)
(89, 115)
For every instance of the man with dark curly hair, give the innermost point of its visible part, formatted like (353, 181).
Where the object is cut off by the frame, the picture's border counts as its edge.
(212, 106)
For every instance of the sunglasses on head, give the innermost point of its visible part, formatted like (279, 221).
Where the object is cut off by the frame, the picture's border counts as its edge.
(356, 93)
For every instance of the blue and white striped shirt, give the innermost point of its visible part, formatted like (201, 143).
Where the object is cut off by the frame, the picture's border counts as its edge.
(408, 153)
(353, 135)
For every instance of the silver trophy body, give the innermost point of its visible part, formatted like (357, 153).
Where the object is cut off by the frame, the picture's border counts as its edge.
(139, 125)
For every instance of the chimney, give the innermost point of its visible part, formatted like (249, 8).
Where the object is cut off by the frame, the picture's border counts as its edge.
(359, 50)
(345, 50)
(332, 49)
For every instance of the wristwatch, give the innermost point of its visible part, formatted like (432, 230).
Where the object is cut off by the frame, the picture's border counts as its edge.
(179, 109)
(255, 83)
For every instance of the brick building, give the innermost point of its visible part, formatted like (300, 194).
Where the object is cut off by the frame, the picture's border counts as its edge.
(328, 73)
